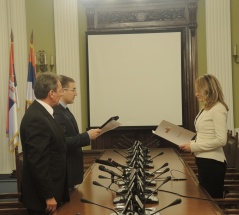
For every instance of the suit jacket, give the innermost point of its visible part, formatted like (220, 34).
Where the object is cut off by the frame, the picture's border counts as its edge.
(74, 141)
(44, 159)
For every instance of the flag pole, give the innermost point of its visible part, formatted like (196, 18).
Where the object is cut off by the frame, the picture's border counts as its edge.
(31, 78)
(11, 125)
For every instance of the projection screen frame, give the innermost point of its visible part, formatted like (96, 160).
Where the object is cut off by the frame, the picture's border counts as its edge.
(183, 66)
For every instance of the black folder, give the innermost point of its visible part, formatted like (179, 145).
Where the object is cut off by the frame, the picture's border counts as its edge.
(110, 119)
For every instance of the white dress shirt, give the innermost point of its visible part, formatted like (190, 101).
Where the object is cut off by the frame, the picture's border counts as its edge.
(46, 106)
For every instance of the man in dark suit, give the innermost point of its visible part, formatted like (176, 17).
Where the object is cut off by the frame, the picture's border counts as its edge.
(74, 139)
(44, 182)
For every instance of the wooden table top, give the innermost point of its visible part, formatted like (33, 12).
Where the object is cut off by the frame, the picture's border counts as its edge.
(190, 192)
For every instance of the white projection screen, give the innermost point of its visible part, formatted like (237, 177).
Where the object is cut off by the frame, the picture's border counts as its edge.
(136, 76)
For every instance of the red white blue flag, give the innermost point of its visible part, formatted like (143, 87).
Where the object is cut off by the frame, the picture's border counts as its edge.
(13, 104)
(31, 78)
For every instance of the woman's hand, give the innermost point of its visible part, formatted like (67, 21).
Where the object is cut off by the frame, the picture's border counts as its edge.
(185, 147)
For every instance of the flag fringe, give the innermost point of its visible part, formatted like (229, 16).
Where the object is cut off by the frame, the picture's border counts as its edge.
(13, 137)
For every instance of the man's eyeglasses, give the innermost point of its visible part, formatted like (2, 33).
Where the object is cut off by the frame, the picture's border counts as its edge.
(73, 90)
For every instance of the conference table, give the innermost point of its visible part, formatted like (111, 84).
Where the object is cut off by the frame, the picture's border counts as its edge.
(195, 200)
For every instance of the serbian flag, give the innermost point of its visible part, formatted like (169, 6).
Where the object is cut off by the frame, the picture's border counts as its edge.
(31, 78)
(13, 104)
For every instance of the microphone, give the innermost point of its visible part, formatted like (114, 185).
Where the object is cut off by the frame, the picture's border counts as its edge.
(164, 165)
(120, 149)
(135, 145)
(125, 168)
(120, 154)
(107, 188)
(161, 153)
(116, 164)
(153, 143)
(124, 198)
(102, 168)
(147, 141)
(157, 143)
(125, 142)
(150, 194)
(120, 144)
(89, 202)
(166, 170)
(128, 206)
(113, 165)
(179, 179)
(104, 177)
(127, 139)
(175, 202)
(104, 162)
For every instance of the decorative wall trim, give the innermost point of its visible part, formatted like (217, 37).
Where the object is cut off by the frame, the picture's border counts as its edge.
(192, 8)
(141, 16)
(67, 47)
(102, 15)
(219, 54)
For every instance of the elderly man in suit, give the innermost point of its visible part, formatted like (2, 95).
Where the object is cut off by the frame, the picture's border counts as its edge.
(74, 139)
(44, 182)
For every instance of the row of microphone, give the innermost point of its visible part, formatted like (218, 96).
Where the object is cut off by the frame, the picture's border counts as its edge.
(136, 182)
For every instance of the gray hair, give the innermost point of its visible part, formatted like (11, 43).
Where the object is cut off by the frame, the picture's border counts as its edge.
(45, 82)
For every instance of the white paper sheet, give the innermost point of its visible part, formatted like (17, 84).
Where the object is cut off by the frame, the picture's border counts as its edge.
(174, 133)
(109, 126)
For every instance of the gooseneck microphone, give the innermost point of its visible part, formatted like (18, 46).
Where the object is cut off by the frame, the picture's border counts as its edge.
(104, 177)
(121, 150)
(161, 153)
(153, 144)
(124, 147)
(150, 194)
(120, 154)
(164, 165)
(123, 143)
(166, 170)
(102, 168)
(149, 139)
(89, 202)
(175, 202)
(128, 139)
(104, 162)
(107, 188)
(114, 163)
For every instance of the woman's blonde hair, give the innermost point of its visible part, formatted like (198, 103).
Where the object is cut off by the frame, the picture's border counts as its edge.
(211, 89)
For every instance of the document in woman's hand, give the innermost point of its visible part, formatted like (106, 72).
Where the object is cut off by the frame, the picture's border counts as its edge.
(174, 133)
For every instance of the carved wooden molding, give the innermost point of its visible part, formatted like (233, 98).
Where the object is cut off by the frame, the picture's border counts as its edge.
(105, 15)
(192, 7)
(133, 16)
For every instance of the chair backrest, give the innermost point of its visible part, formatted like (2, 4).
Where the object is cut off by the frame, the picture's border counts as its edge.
(10, 202)
(231, 149)
(19, 164)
